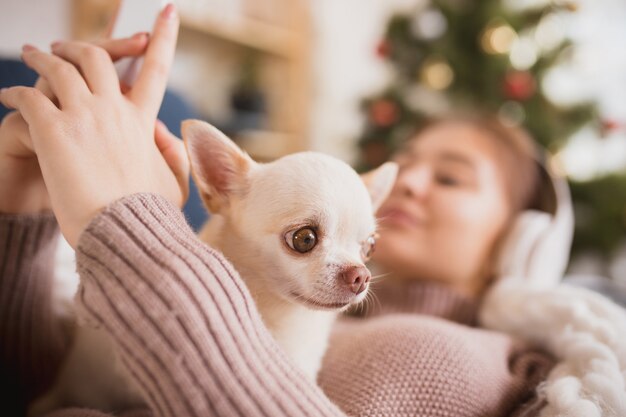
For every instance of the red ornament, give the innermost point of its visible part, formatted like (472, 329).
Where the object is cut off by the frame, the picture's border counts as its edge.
(383, 49)
(383, 112)
(519, 85)
(610, 124)
(607, 126)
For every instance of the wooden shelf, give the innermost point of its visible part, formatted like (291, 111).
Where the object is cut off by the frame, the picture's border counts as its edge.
(283, 39)
(244, 31)
(264, 145)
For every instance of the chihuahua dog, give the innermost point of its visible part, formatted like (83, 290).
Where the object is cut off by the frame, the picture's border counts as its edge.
(298, 230)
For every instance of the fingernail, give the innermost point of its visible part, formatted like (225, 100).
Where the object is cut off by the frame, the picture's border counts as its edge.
(55, 44)
(139, 35)
(169, 12)
(28, 47)
(2, 90)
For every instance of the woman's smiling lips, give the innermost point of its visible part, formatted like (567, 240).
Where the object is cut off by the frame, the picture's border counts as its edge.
(400, 217)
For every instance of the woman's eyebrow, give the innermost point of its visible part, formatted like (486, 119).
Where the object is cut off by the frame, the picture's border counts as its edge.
(457, 158)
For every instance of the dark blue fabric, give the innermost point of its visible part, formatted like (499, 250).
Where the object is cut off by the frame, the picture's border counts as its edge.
(12, 73)
(173, 111)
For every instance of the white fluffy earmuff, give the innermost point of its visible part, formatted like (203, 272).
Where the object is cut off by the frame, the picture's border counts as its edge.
(583, 330)
(536, 248)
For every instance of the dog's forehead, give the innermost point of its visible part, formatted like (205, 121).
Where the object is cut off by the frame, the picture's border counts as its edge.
(314, 171)
(311, 184)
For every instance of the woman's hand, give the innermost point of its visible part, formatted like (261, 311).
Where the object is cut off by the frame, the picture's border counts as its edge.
(99, 144)
(22, 189)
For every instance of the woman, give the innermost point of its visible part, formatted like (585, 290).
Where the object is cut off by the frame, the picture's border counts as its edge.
(185, 326)
(461, 184)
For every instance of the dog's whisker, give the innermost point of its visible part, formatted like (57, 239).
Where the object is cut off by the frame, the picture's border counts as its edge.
(377, 300)
(372, 298)
(362, 306)
(379, 276)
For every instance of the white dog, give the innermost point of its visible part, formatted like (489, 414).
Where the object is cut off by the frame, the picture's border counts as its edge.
(298, 230)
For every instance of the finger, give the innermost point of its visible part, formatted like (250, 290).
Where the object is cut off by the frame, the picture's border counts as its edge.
(23, 147)
(173, 151)
(42, 85)
(152, 80)
(116, 48)
(34, 106)
(123, 47)
(120, 48)
(94, 63)
(63, 78)
(124, 87)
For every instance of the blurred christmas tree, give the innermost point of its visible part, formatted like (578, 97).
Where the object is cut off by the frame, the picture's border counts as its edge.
(480, 54)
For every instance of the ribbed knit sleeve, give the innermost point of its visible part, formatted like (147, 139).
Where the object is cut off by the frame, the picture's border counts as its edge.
(188, 332)
(32, 341)
(83, 412)
(182, 320)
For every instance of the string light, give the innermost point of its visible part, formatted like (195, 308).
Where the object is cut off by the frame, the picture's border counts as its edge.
(549, 33)
(437, 74)
(523, 53)
(429, 24)
(498, 38)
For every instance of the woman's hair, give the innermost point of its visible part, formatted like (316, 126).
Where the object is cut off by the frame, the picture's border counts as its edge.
(517, 153)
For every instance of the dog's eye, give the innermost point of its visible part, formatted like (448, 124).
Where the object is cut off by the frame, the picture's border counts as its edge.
(368, 246)
(302, 240)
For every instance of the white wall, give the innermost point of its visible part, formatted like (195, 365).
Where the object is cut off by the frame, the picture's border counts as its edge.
(346, 67)
(38, 22)
(205, 71)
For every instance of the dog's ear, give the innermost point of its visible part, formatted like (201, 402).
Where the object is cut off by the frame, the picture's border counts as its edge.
(218, 166)
(379, 182)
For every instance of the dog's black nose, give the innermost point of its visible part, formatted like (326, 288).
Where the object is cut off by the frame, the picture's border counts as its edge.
(356, 278)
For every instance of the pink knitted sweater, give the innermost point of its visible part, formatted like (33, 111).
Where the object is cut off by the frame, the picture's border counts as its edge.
(187, 329)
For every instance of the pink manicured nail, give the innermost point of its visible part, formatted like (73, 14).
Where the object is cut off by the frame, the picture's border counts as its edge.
(169, 12)
(28, 47)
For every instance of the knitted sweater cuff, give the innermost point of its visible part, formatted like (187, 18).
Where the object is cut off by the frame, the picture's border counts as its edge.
(24, 235)
(33, 342)
(182, 320)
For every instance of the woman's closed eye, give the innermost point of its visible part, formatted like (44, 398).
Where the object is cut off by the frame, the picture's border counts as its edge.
(448, 180)
(454, 179)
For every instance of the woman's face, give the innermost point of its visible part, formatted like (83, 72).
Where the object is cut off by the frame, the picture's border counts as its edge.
(447, 208)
